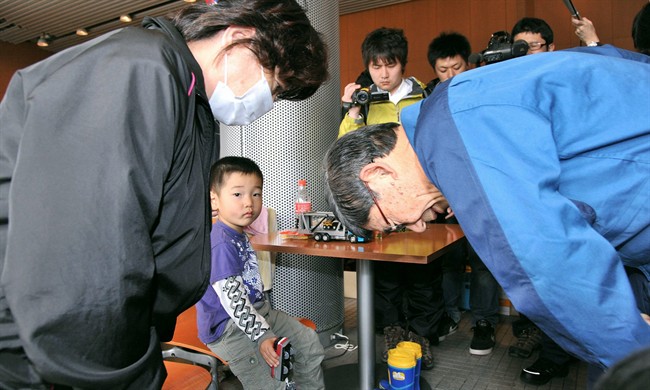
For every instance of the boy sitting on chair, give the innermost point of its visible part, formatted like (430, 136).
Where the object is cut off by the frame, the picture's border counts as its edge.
(234, 319)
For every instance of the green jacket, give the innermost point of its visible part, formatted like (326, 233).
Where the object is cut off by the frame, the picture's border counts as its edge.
(385, 111)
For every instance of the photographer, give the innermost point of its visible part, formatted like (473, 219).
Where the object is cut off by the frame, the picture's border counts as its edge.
(448, 55)
(536, 32)
(408, 306)
(384, 53)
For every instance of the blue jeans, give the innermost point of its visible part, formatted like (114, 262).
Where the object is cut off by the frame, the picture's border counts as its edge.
(483, 291)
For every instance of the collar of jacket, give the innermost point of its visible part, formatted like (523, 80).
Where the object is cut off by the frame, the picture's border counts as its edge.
(168, 28)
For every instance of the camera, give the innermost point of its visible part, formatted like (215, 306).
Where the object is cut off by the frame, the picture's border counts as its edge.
(363, 96)
(499, 49)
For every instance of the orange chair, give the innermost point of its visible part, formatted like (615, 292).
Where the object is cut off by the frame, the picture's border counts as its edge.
(189, 368)
(189, 363)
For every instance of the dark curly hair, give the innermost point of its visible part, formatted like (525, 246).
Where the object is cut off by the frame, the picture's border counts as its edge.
(284, 39)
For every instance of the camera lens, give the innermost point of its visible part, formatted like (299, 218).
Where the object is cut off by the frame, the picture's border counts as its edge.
(361, 96)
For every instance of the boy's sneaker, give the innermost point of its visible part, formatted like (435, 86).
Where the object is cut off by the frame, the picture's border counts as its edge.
(427, 356)
(529, 340)
(392, 336)
(542, 371)
(447, 327)
(483, 339)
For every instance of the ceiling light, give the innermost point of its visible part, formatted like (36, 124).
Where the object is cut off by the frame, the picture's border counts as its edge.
(82, 32)
(126, 18)
(44, 40)
(190, 1)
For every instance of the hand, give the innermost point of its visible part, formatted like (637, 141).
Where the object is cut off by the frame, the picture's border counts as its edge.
(450, 213)
(585, 30)
(348, 91)
(354, 111)
(268, 352)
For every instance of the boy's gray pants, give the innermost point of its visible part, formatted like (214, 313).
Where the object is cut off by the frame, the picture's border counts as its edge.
(246, 362)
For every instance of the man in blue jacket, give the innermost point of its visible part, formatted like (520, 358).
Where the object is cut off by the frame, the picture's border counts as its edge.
(545, 161)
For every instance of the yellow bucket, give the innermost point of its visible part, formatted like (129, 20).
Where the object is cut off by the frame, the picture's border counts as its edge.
(401, 369)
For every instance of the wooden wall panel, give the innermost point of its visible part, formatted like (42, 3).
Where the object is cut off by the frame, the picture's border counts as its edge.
(621, 22)
(419, 22)
(478, 19)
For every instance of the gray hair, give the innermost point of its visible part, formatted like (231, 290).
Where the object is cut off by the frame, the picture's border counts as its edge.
(345, 193)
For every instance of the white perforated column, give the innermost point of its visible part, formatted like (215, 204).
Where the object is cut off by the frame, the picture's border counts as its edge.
(288, 144)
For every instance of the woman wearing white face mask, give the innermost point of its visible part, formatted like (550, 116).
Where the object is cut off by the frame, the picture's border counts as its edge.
(232, 109)
(116, 139)
(245, 99)
(242, 82)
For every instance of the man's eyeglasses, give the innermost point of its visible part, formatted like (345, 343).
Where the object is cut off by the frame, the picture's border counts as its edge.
(534, 46)
(391, 227)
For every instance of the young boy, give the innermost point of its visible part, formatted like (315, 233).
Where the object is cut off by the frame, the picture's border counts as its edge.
(234, 318)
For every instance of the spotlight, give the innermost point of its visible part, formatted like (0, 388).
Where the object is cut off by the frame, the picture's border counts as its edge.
(82, 32)
(44, 40)
(126, 18)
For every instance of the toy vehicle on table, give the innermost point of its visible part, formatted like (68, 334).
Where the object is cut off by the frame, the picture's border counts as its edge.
(323, 226)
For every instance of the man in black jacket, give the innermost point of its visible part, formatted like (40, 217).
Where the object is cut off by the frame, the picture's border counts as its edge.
(105, 152)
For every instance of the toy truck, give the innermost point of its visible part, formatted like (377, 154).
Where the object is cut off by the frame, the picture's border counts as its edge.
(323, 226)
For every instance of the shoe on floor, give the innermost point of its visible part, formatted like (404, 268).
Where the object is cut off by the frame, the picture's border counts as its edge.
(529, 340)
(447, 327)
(519, 325)
(427, 356)
(393, 334)
(483, 339)
(542, 371)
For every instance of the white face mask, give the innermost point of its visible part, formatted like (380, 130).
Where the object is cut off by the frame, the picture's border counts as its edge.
(240, 110)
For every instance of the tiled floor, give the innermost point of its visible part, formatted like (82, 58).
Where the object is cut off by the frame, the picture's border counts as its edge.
(455, 368)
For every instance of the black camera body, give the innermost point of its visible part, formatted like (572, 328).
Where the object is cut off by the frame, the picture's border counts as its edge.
(363, 96)
(500, 48)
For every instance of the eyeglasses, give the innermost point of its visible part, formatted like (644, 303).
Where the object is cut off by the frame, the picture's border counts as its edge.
(391, 227)
(534, 46)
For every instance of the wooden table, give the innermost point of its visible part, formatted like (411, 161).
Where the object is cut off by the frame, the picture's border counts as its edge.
(406, 247)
